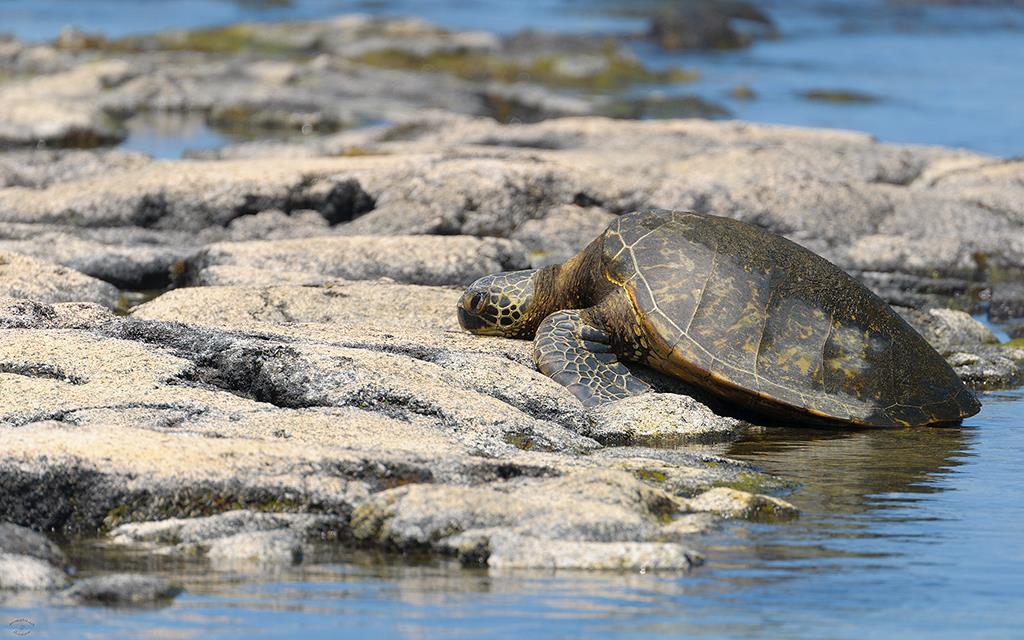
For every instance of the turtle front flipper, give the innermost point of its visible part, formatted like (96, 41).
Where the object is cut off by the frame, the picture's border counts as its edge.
(574, 352)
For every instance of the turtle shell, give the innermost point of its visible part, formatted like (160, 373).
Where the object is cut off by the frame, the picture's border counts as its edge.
(765, 322)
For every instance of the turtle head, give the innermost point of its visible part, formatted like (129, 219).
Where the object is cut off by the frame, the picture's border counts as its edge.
(499, 305)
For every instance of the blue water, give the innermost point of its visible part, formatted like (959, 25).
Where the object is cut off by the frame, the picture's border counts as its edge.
(169, 136)
(952, 89)
(39, 20)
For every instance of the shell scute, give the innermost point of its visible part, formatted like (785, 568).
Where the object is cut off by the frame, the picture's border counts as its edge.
(769, 323)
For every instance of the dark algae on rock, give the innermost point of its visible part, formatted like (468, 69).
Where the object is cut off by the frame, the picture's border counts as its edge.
(839, 96)
(707, 24)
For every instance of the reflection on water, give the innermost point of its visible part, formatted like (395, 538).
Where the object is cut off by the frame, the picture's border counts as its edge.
(170, 135)
(904, 533)
(845, 473)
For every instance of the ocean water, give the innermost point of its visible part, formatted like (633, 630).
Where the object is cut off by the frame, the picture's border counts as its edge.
(909, 533)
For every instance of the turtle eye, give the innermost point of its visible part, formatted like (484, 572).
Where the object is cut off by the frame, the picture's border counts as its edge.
(477, 301)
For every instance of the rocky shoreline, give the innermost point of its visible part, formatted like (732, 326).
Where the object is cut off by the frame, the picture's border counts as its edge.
(295, 373)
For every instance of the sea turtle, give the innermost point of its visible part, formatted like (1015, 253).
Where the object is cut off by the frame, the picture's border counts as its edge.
(726, 306)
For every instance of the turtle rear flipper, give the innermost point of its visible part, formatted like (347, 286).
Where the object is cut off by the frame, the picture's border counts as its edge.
(575, 353)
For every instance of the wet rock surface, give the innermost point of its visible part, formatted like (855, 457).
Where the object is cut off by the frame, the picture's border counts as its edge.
(25, 573)
(1007, 302)
(15, 540)
(230, 540)
(121, 590)
(989, 366)
(660, 419)
(29, 561)
(707, 24)
(741, 504)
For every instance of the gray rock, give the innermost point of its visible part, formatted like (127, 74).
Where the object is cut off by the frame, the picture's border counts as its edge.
(122, 589)
(190, 195)
(921, 292)
(705, 24)
(33, 59)
(481, 196)
(59, 109)
(128, 405)
(989, 366)
(733, 503)
(946, 329)
(235, 78)
(1007, 301)
(526, 102)
(994, 183)
(15, 540)
(27, 314)
(517, 552)
(28, 573)
(659, 419)
(263, 547)
(37, 169)
(233, 539)
(686, 526)
(222, 276)
(593, 506)
(344, 35)
(359, 404)
(857, 202)
(176, 531)
(381, 304)
(131, 261)
(431, 260)
(865, 205)
(320, 418)
(398, 386)
(562, 233)
(25, 277)
(137, 258)
(136, 227)
(275, 225)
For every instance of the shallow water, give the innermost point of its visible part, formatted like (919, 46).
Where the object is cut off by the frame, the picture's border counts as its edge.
(949, 76)
(169, 136)
(903, 533)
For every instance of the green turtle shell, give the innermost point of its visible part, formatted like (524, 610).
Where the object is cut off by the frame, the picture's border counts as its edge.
(765, 322)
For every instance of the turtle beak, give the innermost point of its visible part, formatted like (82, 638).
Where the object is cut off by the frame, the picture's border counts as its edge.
(470, 322)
